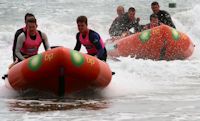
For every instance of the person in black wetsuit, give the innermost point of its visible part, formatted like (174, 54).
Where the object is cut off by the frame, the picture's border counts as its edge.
(124, 23)
(90, 39)
(120, 13)
(163, 16)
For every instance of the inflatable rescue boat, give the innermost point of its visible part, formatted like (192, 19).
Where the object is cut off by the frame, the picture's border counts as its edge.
(61, 71)
(159, 43)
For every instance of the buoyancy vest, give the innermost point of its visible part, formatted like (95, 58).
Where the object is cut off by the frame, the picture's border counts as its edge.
(90, 47)
(30, 47)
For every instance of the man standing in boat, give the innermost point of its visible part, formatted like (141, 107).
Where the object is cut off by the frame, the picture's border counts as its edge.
(28, 42)
(125, 23)
(163, 16)
(90, 39)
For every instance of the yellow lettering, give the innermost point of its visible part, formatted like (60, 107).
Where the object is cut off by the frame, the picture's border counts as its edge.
(90, 61)
(49, 57)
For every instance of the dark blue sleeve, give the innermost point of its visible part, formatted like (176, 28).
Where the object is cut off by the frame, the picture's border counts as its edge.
(95, 40)
(78, 44)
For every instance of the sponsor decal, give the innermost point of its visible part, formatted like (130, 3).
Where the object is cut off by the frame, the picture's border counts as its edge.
(35, 62)
(145, 36)
(76, 58)
(175, 35)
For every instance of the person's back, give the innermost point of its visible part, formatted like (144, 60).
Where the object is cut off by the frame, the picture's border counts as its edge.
(163, 16)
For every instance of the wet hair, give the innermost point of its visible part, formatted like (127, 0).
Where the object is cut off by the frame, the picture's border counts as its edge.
(120, 7)
(153, 16)
(131, 9)
(28, 15)
(32, 20)
(154, 3)
(82, 19)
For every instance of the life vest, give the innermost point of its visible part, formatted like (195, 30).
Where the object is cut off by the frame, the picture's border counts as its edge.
(91, 49)
(30, 47)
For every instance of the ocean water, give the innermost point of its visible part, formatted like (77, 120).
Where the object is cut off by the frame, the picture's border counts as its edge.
(141, 90)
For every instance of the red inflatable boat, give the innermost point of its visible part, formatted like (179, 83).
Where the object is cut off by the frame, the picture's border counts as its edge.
(60, 71)
(159, 43)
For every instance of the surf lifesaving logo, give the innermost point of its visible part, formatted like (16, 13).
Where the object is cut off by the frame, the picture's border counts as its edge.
(35, 62)
(76, 58)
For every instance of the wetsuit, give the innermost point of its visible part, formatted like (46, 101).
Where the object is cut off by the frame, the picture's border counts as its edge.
(123, 24)
(17, 33)
(93, 44)
(21, 51)
(165, 18)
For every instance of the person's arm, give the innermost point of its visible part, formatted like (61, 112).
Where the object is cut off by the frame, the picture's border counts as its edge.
(95, 39)
(113, 27)
(17, 33)
(19, 44)
(145, 27)
(168, 19)
(118, 26)
(137, 26)
(45, 41)
(78, 44)
(125, 25)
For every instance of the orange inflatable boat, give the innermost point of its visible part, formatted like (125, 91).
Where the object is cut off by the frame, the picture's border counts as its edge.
(61, 71)
(159, 43)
